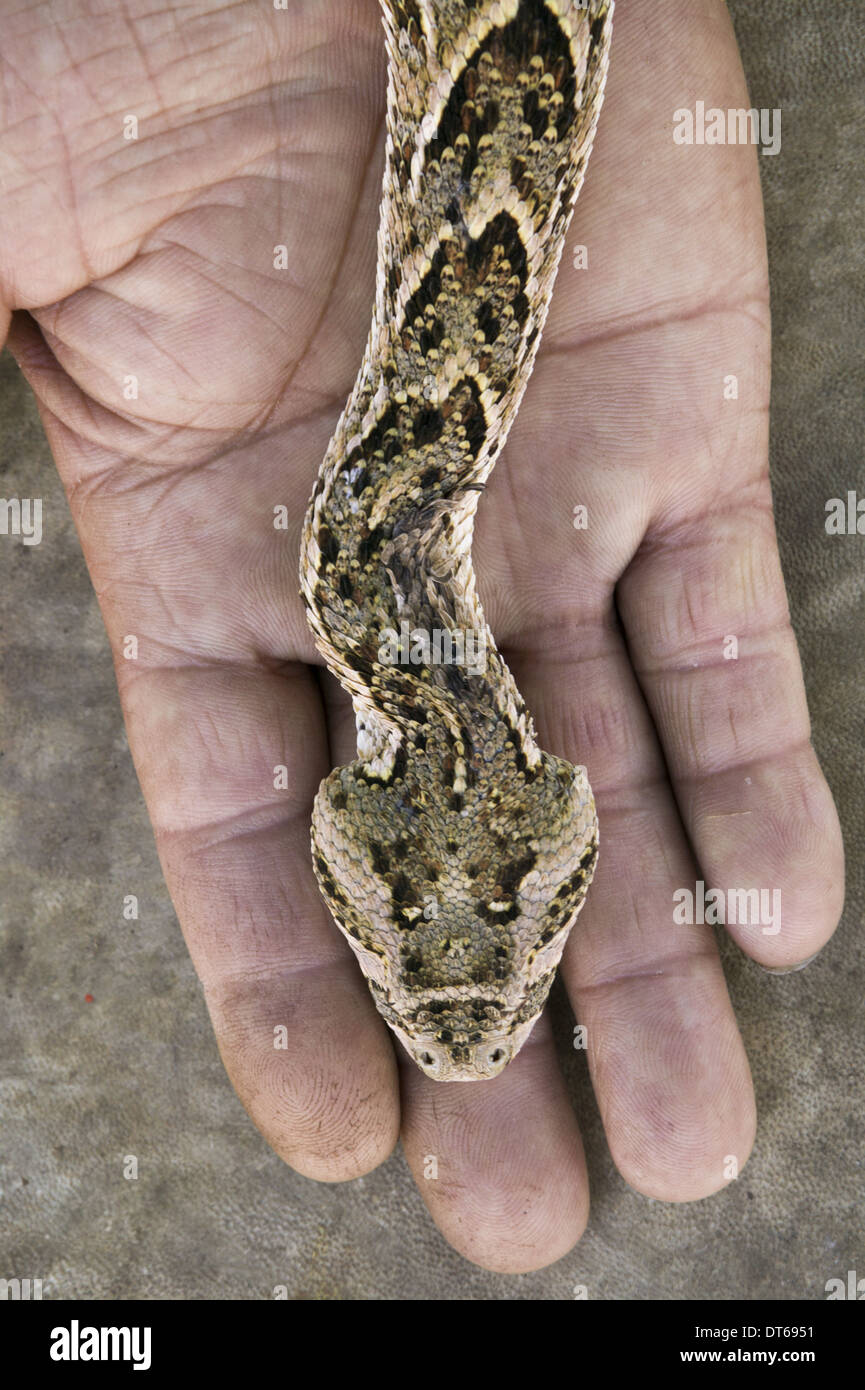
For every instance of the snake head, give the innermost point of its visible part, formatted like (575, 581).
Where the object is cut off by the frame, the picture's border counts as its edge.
(458, 922)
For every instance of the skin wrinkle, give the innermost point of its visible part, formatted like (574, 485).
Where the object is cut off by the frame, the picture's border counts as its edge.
(664, 969)
(612, 332)
(687, 667)
(216, 113)
(140, 49)
(698, 775)
(373, 151)
(53, 336)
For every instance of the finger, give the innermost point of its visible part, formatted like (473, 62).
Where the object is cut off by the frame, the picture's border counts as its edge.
(705, 611)
(680, 375)
(667, 1062)
(295, 1023)
(500, 1163)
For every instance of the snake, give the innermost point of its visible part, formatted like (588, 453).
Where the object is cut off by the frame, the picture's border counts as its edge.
(454, 854)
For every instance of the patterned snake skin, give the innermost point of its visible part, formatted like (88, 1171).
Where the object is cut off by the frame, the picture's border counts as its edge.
(453, 853)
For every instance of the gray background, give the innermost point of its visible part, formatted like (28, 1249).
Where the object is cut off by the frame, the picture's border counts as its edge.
(214, 1213)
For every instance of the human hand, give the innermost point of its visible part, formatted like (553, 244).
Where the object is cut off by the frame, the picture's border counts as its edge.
(153, 259)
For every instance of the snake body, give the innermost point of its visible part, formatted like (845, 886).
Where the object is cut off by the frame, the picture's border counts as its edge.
(453, 853)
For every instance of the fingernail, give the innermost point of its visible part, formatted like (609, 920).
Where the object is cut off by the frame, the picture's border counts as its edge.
(788, 969)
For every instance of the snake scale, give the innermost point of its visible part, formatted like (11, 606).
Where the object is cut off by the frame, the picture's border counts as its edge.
(453, 853)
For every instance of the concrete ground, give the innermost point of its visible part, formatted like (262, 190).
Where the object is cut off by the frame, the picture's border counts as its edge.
(214, 1213)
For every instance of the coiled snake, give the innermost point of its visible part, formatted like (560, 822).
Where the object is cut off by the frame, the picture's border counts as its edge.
(453, 853)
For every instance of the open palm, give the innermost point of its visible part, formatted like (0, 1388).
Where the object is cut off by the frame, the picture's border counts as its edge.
(189, 374)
